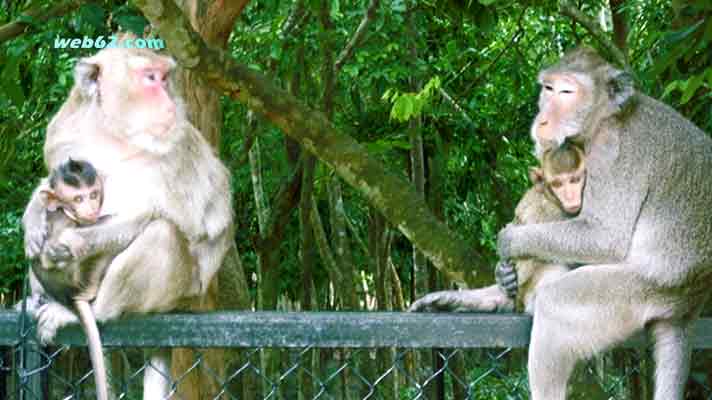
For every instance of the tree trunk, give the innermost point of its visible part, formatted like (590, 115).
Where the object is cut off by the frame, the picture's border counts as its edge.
(214, 22)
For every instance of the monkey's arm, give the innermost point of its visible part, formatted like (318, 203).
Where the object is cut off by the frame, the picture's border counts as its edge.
(34, 222)
(602, 233)
(110, 236)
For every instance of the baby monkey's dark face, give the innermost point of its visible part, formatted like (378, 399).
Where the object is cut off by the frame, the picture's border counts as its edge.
(83, 203)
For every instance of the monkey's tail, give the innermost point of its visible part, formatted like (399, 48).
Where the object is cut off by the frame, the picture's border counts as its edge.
(96, 353)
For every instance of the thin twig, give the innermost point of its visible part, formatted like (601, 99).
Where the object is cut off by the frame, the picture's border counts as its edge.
(592, 27)
(250, 136)
(483, 74)
(456, 106)
(348, 51)
(294, 20)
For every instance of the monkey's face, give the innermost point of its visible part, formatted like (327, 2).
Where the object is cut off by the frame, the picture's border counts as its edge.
(567, 188)
(577, 94)
(82, 204)
(134, 93)
(564, 102)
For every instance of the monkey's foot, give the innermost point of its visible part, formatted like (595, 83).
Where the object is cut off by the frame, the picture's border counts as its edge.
(489, 299)
(50, 318)
(33, 302)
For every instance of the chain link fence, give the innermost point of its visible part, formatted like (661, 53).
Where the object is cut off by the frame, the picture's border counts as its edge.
(325, 355)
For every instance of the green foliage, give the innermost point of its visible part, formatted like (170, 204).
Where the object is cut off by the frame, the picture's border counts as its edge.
(484, 54)
(410, 105)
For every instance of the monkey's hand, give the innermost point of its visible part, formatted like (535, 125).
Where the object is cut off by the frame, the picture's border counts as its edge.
(32, 305)
(446, 300)
(488, 299)
(35, 237)
(50, 318)
(504, 242)
(58, 255)
(74, 243)
(506, 276)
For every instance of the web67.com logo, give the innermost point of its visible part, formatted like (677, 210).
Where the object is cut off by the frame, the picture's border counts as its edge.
(112, 42)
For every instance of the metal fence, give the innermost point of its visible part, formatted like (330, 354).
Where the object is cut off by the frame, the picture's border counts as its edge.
(321, 355)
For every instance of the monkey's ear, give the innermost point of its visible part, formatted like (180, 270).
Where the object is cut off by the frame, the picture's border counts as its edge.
(86, 77)
(49, 199)
(536, 175)
(620, 86)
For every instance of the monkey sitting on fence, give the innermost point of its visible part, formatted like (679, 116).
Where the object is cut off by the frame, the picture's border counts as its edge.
(73, 198)
(556, 194)
(166, 190)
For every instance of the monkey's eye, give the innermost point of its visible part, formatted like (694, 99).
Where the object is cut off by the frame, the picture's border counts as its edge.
(78, 199)
(566, 91)
(576, 179)
(94, 195)
(556, 184)
(548, 88)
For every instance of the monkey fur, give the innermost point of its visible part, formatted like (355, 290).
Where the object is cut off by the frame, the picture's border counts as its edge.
(166, 191)
(644, 229)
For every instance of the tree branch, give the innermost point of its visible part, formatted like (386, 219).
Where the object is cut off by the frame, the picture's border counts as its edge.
(37, 15)
(384, 189)
(322, 244)
(456, 106)
(592, 27)
(295, 20)
(511, 42)
(348, 51)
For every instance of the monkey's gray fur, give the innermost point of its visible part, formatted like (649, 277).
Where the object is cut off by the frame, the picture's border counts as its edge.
(645, 227)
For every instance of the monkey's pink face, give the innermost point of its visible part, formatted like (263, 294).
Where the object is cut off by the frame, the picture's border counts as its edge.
(568, 189)
(561, 100)
(141, 96)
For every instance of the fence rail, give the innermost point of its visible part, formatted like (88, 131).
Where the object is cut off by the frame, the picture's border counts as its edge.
(316, 329)
(320, 355)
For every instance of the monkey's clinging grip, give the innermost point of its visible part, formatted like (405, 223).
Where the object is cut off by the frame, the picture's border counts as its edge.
(505, 274)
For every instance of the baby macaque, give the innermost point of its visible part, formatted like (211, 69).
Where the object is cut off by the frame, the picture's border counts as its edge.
(74, 198)
(557, 194)
(562, 177)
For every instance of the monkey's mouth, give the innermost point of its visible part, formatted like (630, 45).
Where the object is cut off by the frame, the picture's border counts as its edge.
(572, 210)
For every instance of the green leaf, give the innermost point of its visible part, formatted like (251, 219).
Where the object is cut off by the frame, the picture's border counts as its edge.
(26, 19)
(93, 14)
(670, 87)
(693, 84)
(398, 6)
(133, 23)
(402, 108)
(487, 2)
(682, 34)
(11, 82)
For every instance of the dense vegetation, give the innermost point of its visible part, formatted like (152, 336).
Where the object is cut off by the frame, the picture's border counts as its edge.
(460, 79)
(440, 92)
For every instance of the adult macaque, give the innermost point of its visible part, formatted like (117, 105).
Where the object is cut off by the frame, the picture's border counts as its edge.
(167, 193)
(645, 223)
(74, 198)
(556, 195)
